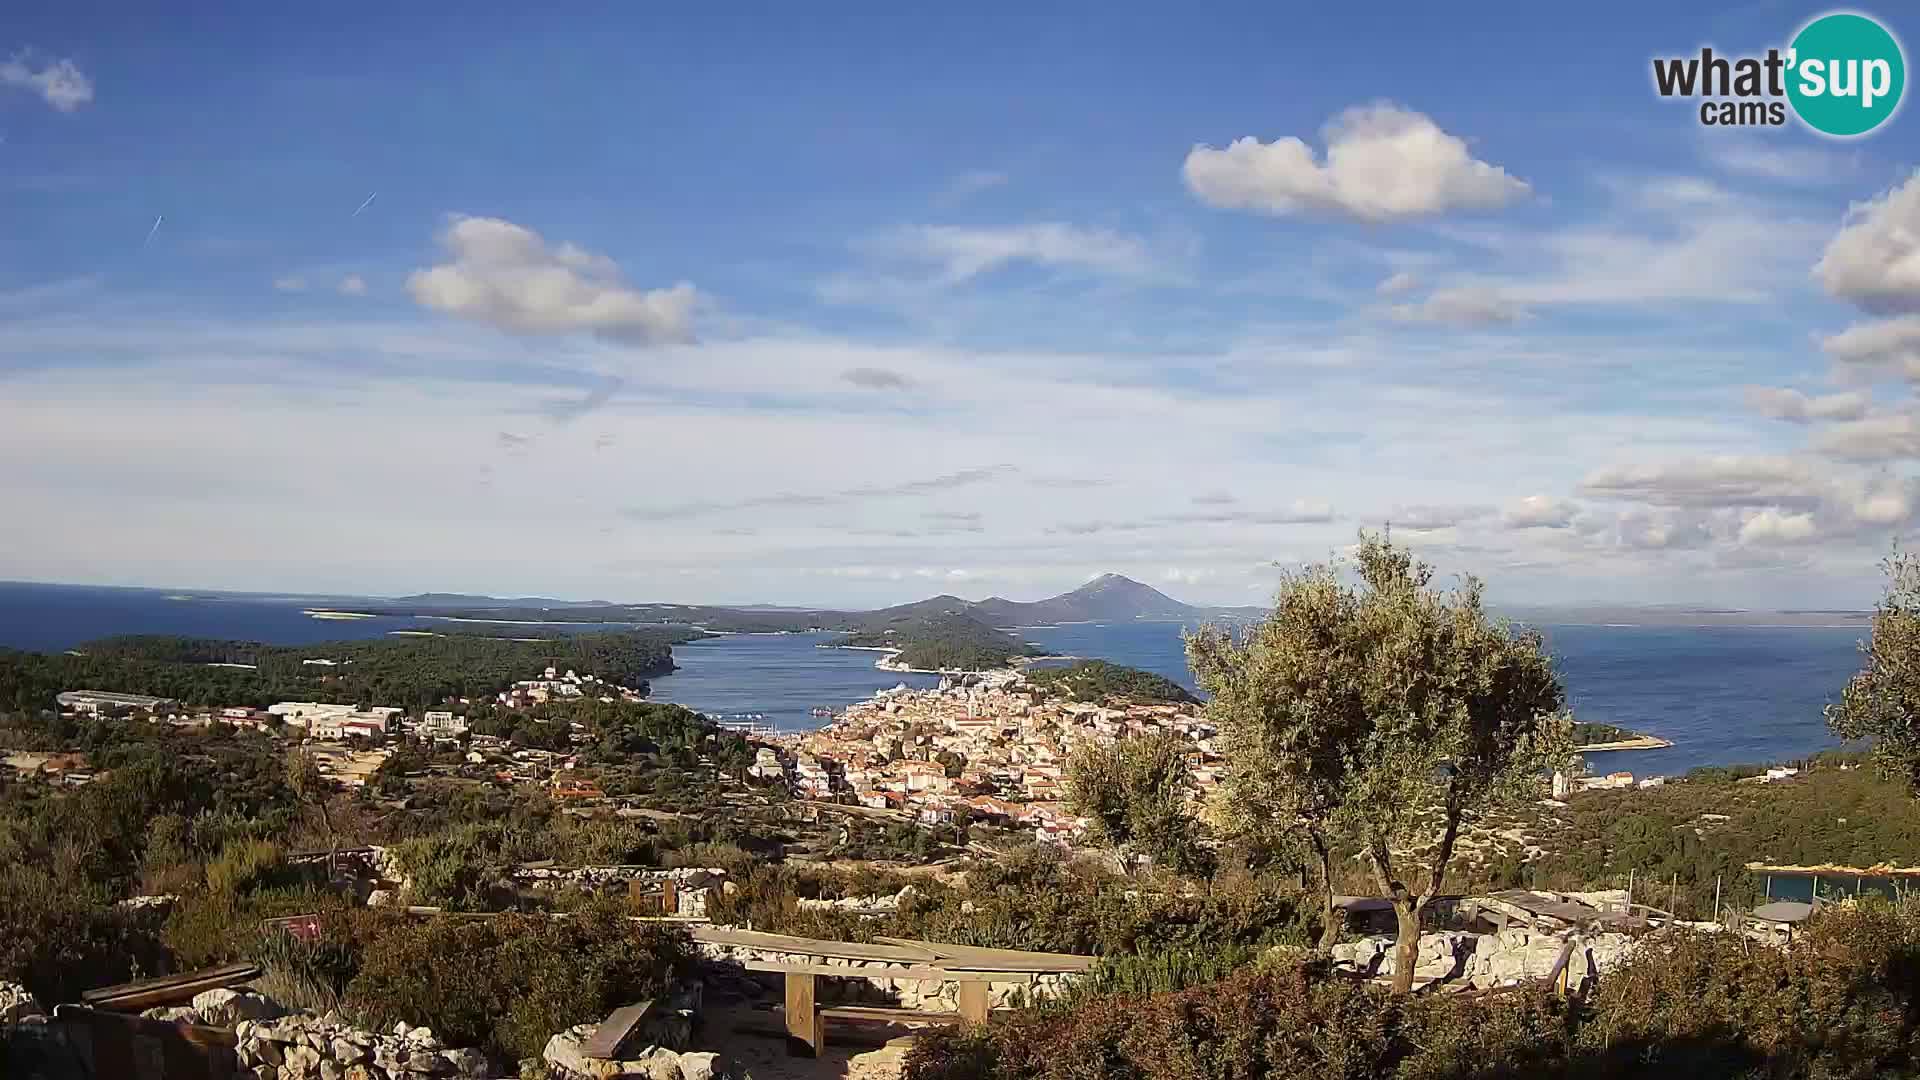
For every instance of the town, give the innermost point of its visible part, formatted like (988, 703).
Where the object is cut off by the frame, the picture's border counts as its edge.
(990, 747)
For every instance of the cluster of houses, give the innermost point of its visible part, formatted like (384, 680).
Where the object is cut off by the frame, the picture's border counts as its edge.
(988, 748)
(557, 686)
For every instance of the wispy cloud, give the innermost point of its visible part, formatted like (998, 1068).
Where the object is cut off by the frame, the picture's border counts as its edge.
(920, 486)
(59, 83)
(961, 252)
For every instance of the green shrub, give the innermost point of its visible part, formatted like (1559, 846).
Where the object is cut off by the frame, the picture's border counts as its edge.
(1842, 1001)
(244, 866)
(508, 983)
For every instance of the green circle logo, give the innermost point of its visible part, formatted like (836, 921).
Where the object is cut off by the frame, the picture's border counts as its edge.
(1845, 74)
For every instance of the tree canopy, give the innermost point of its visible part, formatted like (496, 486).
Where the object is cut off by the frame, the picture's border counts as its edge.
(1382, 713)
(1099, 680)
(1135, 792)
(1882, 701)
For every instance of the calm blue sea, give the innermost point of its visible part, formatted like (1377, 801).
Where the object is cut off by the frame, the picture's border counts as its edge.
(1724, 695)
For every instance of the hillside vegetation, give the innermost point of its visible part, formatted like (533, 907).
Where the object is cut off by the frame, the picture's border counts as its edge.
(1098, 680)
(410, 672)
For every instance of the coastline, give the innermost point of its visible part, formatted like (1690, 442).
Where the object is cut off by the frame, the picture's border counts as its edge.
(1642, 742)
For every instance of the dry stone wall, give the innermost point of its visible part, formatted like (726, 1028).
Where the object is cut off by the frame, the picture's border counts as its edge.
(1486, 960)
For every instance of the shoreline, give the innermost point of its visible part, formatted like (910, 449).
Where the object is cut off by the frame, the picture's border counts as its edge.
(1642, 742)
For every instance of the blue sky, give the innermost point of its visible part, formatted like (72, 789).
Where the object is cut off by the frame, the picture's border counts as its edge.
(851, 305)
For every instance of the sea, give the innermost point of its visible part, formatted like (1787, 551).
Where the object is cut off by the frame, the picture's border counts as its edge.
(1723, 695)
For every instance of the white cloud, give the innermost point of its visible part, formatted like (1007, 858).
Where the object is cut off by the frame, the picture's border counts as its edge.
(1383, 163)
(1175, 575)
(1771, 526)
(353, 285)
(1726, 480)
(1467, 305)
(1875, 438)
(506, 276)
(1783, 403)
(1874, 260)
(290, 283)
(59, 83)
(1395, 284)
(1891, 346)
(964, 252)
(1539, 512)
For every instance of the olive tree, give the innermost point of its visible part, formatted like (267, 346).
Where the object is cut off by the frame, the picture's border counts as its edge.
(311, 788)
(1135, 793)
(1380, 714)
(1882, 700)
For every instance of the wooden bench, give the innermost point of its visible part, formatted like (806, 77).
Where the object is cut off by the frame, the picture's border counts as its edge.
(973, 969)
(143, 994)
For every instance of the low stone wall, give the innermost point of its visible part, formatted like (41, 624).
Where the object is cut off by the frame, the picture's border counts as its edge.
(862, 905)
(304, 1047)
(690, 883)
(1487, 960)
(867, 982)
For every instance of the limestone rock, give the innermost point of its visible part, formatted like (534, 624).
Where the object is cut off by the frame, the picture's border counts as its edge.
(17, 1005)
(225, 1008)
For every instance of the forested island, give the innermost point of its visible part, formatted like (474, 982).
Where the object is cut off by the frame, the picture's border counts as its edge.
(940, 642)
(1098, 680)
(411, 671)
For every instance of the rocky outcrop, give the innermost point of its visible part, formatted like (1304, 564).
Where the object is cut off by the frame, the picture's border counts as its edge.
(1486, 960)
(303, 1047)
(566, 1059)
(17, 1006)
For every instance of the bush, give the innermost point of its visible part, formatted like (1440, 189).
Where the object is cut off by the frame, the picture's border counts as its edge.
(506, 984)
(1843, 1000)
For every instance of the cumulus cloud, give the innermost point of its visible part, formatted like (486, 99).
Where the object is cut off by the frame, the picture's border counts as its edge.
(59, 83)
(1727, 480)
(1469, 305)
(1383, 163)
(964, 252)
(1771, 526)
(507, 276)
(1890, 345)
(872, 378)
(353, 285)
(1788, 404)
(1874, 261)
(1539, 512)
(1875, 438)
(290, 283)
(1175, 575)
(1644, 530)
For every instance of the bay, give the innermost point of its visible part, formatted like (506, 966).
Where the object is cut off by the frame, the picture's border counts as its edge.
(1723, 694)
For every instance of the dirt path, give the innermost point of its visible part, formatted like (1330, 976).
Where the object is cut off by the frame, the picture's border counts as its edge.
(766, 1058)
